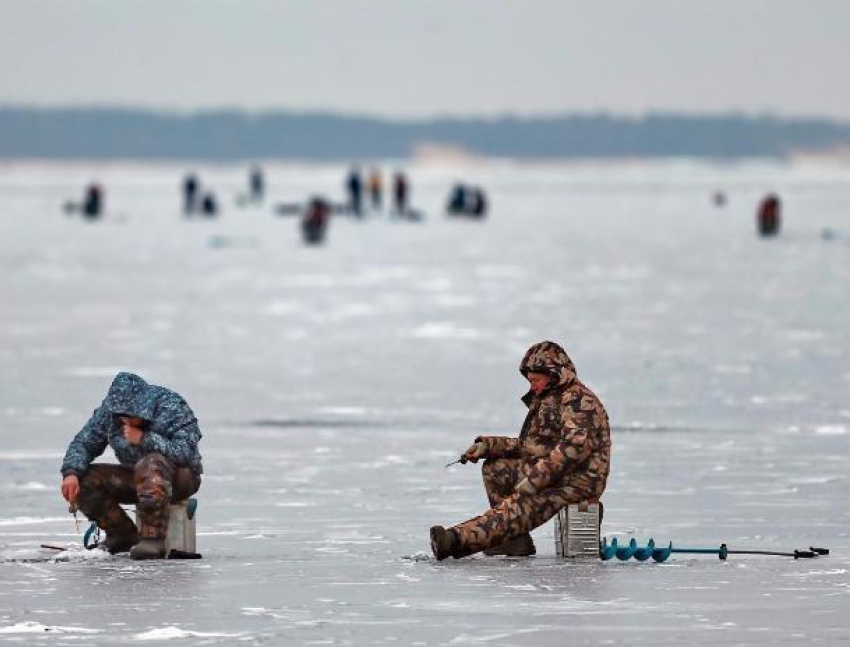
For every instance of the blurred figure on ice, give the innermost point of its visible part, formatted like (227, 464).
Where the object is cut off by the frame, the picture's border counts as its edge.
(209, 205)
(92, 207)
(401, 194)
(315, 220)
(256, 184)
(457, 200)
(769, 215)
(376, 189)
(191, 186)
(154, 435)
(355, 192)
(561, 457)
(467, 201)
(478, 204)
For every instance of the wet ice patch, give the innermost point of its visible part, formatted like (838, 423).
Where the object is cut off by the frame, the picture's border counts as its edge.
(95, 371)
(345, 411)
(453, 301)
(29, 456)
(732, 369)
(803, 335)
(351, 310)
(444, 330)
(171, 632)
(500, 271)
(38, 628)
(75, 552)
(782, 398)
(283, 308)
(29, 486)
(51, 411)
(831, 430)
(28, 521)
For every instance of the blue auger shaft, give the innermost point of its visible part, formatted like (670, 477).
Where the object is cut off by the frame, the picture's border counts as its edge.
(703, 551)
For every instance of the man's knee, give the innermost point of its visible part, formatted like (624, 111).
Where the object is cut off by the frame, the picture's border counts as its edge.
(152, 462)
(92, 480)
(93, 484)
(153, 480)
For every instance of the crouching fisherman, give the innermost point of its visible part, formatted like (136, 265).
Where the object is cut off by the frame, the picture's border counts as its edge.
(155, 436)
(561, 457)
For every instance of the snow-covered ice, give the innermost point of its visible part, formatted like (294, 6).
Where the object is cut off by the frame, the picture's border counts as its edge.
(333, 384)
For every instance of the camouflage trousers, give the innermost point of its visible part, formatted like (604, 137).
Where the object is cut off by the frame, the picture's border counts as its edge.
(512, 514)
(152, 485)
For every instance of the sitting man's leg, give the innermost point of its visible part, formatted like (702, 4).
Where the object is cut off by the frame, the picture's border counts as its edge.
(153, 479)
(158, 484)
(102, 488)
(514, 516)
(500, 478)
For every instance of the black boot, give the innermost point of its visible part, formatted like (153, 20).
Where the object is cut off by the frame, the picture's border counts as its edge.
(520, 546)
(443, 542)
(118, 543)
(148, 548)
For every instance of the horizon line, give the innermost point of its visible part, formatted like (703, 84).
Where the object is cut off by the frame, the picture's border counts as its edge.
(183, 113)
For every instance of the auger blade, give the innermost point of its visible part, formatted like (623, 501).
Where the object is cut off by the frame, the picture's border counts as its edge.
(662, 554)
(643, 554)
(606, 550)
(625, 552)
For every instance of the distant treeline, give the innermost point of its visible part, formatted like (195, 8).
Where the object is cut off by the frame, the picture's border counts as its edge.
(103, 133)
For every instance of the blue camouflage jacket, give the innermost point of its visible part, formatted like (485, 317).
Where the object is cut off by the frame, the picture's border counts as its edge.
(172, 428)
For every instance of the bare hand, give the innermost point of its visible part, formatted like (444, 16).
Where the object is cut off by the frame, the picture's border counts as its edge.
(71, 488)
(133, 435)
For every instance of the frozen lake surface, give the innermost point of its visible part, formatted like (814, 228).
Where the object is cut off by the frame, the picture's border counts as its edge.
(333, 384)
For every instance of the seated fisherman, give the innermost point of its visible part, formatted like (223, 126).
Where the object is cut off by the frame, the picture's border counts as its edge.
(155, 436)
(561, 457)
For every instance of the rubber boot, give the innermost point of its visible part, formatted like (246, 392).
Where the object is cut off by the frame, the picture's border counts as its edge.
(118, 543)
(443, 542)
(520, 546)
(148, 548)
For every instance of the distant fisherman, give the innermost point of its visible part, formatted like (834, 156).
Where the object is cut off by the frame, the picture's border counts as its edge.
(209, 205)
(155, 436)
(401, 193)
(93, 202)
(191, 186)
(769, 215)
(257, 184)
(376, 189)
(561, 457)
(315, 220)
(355, 192)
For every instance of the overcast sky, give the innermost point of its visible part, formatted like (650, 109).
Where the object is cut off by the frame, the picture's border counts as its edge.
(406, 58)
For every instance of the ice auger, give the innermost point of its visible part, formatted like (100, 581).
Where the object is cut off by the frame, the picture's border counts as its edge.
(662, 553)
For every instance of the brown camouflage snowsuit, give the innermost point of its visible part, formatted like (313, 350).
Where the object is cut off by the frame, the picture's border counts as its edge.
(153, 485)
(564, 449)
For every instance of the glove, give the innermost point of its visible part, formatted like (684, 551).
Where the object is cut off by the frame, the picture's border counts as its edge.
(525, 487)
(475, 451)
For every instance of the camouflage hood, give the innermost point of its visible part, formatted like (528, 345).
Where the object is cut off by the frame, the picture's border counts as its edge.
(130, 395)
(549, 358)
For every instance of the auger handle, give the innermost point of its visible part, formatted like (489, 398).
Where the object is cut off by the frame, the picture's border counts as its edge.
(803, 553)
(819, 551)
